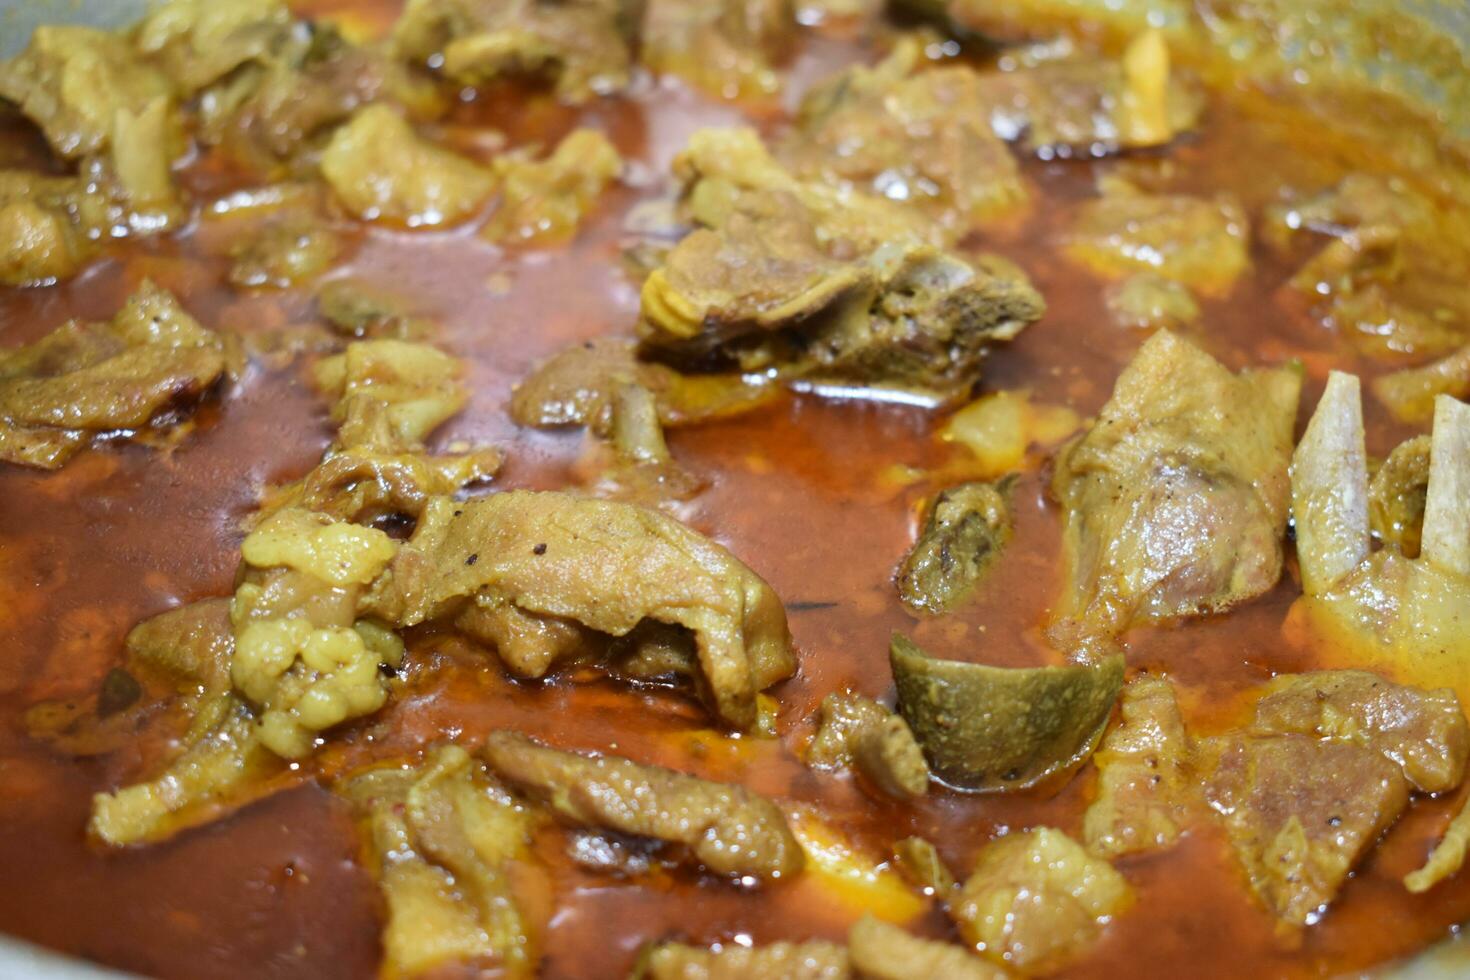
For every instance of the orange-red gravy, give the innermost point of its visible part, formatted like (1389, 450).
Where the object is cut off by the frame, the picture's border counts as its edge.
(274, 891)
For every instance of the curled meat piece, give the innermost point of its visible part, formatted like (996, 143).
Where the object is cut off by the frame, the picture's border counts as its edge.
(581, 47)
(725, 828)
(134, 375)
(540, 574)
(814, 960)
(859, 731)
(450, 848)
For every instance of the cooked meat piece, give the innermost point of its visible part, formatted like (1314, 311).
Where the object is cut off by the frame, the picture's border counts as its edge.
(1409, 394)
(191, 645)
(284, 253)
(382, 170)
(221, 763)
(1425, 732)
(152, 362)
(276, 118)
(199, 42)
(1447, 857)
(1002, 728)
(451, 851)
(858, 731)
(1036, 899)
(577, 387)
(543, 202)
(551, 559)
(776, 961)
(390, 394)
(364, 486)
(641, 470)
(1089, 107)
(1176, 500)
(582, 47)
(1198, 242)
(309, 669)
(729, 48)
(1397, 494)
(825, 285)
(725, 828)
(73, 81)
(762, 294)
(1300, 813)
(361, 309)
(919, 862)
(1144, 785)
(966, 528)
(918, 136)
(1149, 301)
(50, 226)
(1390, 275)
(725, 172)
(96, 723)
(1378, 609)
(880, 951)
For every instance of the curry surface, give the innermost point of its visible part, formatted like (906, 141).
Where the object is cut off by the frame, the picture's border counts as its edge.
(796, 491)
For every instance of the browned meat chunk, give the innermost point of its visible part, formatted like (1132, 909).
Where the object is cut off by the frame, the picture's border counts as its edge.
(780, 277)
(776, 961)
(880, 951)
(729, 48)
(1036, 899)
(966, 529)
(295, 87)
(381, 170)
(826, 284)
(1175, 502)
(918, 136)
(1389, 276)
(578, 385)
(859, 731)
(1197, 242)
(579, 46)
(451, 851)
(1149, 301)
(1425, 732)
(1300, 813)
(541, 574)
(1410, 394)
(1144, 784)
(724, 828)
(133, 377)
(543, 202)
(73, 81)
(1089, 107)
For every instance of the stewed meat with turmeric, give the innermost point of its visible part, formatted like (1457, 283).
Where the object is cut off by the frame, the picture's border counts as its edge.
(542, 575)
(723, 828)
(1175, 502)
(425, 365)
(131, 377)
